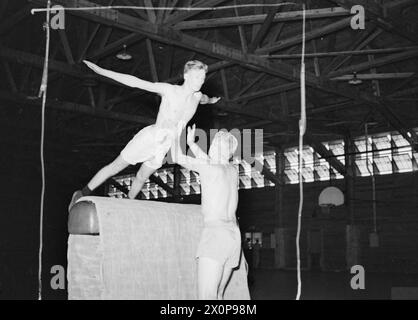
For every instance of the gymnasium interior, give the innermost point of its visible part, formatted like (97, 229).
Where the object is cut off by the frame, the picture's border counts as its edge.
(358, 226)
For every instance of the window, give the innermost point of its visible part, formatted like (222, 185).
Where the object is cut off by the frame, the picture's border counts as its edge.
(337, 149)
(402, 155)
(383, 155)
(292, 165)
(386, 153)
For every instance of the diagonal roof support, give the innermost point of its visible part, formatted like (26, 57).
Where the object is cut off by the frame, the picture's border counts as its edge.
(262, 32)
(326, 154)
(183, 15)
(15, 19)
(375, 63)
(78, 108)
(259, 18)
(171, 36)
(160, 183)
(267, 173)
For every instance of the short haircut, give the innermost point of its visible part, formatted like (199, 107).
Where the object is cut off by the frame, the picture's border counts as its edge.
(227, 137)
(195, 65)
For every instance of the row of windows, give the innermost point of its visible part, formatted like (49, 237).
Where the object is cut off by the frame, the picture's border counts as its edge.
(382, 154)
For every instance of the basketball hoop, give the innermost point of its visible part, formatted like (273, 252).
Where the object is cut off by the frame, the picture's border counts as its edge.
(329, 198)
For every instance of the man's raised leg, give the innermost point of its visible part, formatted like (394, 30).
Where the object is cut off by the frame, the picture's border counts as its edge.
(209, 276)
(141, 177)
(107, 172)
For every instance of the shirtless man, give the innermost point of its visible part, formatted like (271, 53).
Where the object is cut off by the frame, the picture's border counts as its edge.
(219, 250)
(151, 144)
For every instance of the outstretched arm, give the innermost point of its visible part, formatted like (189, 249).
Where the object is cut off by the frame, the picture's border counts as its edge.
(199, 153)
(206, 100)
(128, 80)
(187, 162)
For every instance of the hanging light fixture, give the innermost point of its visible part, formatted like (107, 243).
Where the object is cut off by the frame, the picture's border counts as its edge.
(355, 80)
(124, 55)
(221, 113)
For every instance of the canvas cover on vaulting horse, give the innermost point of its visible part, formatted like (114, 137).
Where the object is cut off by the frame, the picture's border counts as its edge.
(129, 249)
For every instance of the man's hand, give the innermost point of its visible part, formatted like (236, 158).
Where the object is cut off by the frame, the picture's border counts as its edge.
(191, 135)
(206, 100)
(214, 100)
(93, 67)
(199, 153)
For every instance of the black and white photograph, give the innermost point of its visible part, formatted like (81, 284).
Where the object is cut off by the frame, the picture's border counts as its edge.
(209, 154)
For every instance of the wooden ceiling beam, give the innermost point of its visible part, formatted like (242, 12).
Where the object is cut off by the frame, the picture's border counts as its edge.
(86, 46)
(225, 85)
(326, 154)
(340, 53)
(358, 44)
(25, 58)
(78, 108)
(172, 7)
(161, 13)
(151, 60)
(399, 4)
(168, 62)
(267, 92)
(169, 35)
(405, 92)
(9, 76)
(158, 181)
(140, 13)
(376, 76)
(260, 18)
(118, 186)
(66, 45)
(116, 46)
(34, 60)
(264, 29)
(184, 15)
(14, 19)
(376, 63)
(313, 34)
(152, 17)
(89, 41)
(408, 133)
(267, 173)
(241, 31)
(249, 86)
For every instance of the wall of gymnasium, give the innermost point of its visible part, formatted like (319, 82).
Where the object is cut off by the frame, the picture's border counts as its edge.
(343, 241)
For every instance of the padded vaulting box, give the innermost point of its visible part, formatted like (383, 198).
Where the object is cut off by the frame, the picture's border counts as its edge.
(129, 249)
